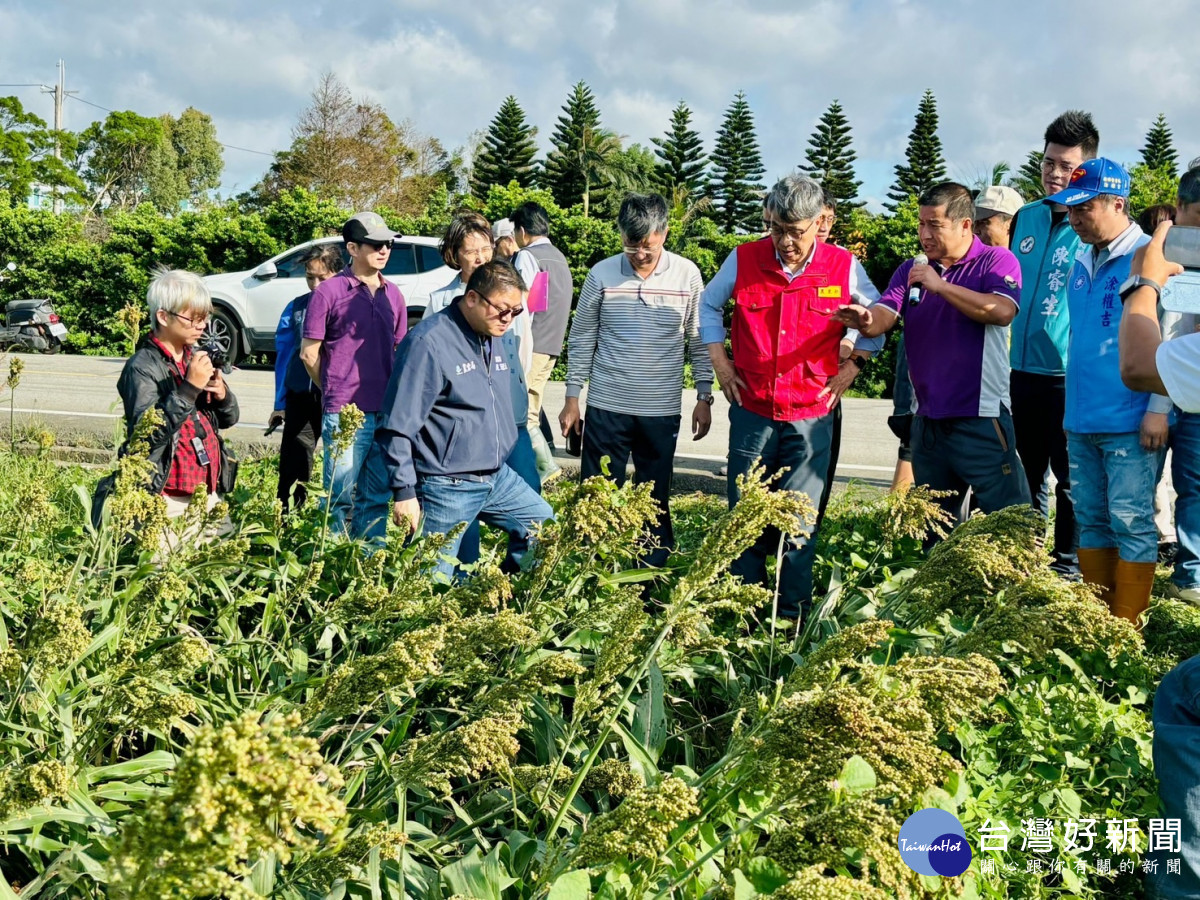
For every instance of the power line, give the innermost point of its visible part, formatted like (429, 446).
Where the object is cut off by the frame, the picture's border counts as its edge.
(226, 146)
(25, 84)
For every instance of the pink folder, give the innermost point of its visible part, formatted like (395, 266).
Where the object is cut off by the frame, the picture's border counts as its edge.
(539, 293)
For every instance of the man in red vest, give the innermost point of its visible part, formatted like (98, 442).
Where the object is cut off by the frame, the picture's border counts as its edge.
(785, 289)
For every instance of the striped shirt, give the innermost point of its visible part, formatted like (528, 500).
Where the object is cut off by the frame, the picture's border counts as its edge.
(628, 336)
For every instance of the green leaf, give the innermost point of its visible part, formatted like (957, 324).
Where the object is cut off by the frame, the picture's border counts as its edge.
(766, 875)
(857, 776)
(475, 876)
(573, 885)
(650, 717)
(742, 888)
(146, 764)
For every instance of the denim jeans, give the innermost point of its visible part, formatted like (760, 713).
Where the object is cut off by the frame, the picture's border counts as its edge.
(1112, 484)
(356, 482)
(1177, 765)
(522, 461)
(503, 500)
(802, 448)
(1185, 473)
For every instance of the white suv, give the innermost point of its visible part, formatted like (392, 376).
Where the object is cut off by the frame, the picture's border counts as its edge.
(247, 305)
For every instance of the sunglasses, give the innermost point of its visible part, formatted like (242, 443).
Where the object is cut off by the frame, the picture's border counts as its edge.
(503, 313)
(376, 246)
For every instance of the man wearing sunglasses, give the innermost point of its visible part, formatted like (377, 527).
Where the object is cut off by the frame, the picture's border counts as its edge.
(448, 428)
(355, 321)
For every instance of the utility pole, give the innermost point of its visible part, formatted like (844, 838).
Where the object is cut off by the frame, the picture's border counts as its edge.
(60, 93)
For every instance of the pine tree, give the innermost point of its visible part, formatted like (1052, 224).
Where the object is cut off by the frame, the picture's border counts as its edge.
(681, 156)
(507, 151)
(1028, 178)
(1159, 152)
(563, 173)
(830, 157)
(736, 167)
(926, 166)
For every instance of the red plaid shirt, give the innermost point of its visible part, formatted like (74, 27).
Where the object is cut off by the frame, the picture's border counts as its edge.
(187, 473)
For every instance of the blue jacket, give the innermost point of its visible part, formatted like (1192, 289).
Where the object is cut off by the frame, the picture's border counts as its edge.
(443, 297)
(290, 374)
(1041, 331)
(1097, 400)
(455, 416)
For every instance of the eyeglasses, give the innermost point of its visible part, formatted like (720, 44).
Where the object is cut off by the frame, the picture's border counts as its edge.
(778, 231)
(376, 246)
(635, 250)
(1049, 165)
(503, 313)
(195, 323)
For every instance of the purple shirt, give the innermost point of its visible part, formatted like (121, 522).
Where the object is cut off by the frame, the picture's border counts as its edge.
(358, 330)
(959, 367)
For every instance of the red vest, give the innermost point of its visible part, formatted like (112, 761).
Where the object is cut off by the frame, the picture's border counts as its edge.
(785, 343)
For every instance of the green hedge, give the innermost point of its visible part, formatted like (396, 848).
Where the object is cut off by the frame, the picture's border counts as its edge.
(91, 269)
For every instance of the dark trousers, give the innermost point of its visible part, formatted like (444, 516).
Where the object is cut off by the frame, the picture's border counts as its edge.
(835, 450)
(1038, 406)
(301, 429)
(973, 453)
(651, 441)
(802, 448)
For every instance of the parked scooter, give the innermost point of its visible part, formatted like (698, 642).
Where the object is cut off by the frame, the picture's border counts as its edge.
(30, 324)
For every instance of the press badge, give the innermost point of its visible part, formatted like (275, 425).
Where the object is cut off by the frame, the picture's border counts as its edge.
(201, 454)
(834, 291)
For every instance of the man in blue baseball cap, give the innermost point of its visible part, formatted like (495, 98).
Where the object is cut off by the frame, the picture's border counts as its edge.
(1116, 437)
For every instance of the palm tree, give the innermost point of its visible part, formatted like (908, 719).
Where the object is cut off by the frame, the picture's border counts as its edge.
(600, 162)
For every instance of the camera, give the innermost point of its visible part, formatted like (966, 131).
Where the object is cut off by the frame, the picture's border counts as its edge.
(216, 353)
(1182, 293)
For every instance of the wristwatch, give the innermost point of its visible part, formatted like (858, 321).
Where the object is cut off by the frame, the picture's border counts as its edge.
(706, 398)
(859, 361)
(1133, 282)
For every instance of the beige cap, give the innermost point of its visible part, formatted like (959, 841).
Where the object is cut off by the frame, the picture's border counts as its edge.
(997, 199)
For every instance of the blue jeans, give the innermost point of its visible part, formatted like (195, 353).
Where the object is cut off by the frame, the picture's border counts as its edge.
(1185, 473)
(1112, 485)
(523, 461)
(1177, 765)
(356, 482)
(802, 448)
(503, 500)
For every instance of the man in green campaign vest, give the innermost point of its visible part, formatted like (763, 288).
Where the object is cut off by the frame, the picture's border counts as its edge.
(1045, 246)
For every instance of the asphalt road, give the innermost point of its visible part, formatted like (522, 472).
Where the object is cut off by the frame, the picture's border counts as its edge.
(76, 397)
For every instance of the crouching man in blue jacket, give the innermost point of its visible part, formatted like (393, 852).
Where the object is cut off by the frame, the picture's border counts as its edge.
(448, 423)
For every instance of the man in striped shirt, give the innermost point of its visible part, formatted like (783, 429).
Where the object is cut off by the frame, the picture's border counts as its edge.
(637, 312)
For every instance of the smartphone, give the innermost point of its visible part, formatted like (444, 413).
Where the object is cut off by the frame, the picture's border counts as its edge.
(575, 441)
(1182, 293)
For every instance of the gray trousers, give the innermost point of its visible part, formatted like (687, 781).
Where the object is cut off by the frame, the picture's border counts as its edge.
(802, 448)
(975, 453)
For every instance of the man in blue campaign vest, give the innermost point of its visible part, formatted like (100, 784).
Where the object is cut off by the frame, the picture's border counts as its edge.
(1116, 437)
(1045, 245)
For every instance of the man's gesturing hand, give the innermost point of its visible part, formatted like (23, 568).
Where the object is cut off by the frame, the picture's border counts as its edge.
(855, 316)
(407, 514)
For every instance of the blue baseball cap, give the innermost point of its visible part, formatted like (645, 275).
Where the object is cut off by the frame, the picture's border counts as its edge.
(1095, 177)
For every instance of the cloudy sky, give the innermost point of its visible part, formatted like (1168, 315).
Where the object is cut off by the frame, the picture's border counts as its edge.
(1000, 70)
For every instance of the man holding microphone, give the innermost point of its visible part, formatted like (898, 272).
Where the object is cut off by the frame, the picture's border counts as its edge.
(958, 298)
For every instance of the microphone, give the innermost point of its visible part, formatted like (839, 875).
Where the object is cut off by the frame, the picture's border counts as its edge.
(914, 292)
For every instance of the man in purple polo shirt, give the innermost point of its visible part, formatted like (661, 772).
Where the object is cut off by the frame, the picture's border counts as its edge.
(957, 308)
(355, 320)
